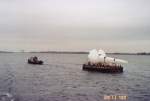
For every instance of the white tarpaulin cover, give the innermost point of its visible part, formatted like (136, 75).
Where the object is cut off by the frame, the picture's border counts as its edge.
(100, 56)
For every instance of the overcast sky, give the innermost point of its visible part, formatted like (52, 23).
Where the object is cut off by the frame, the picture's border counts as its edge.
(75, 25)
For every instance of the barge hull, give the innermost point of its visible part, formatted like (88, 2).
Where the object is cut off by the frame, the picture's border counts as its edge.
(103, 69)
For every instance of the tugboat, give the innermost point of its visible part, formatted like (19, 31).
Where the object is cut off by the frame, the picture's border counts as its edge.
(34, 60)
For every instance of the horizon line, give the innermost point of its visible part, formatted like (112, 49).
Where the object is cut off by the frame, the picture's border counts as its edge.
(78, 52)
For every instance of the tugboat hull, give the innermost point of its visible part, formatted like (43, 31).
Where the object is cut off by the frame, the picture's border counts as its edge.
(35, 63)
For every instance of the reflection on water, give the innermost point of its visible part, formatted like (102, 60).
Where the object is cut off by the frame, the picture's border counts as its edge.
(61, 79)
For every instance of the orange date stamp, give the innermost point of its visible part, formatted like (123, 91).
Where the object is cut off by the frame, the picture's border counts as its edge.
(115, 97)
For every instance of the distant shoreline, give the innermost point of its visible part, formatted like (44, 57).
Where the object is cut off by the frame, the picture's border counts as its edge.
(70, 52)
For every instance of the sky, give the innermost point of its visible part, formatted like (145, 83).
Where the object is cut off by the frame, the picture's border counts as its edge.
(75, 25)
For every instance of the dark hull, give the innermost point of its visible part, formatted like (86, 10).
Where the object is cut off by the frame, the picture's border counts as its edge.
(106, 69)
(35, 63)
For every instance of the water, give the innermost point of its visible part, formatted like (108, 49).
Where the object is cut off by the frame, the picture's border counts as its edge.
(61, 78)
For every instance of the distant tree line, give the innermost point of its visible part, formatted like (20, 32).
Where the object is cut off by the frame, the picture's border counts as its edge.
(70, 52)
(143, 53)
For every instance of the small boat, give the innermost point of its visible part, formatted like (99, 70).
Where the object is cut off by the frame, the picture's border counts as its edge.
(34, 60)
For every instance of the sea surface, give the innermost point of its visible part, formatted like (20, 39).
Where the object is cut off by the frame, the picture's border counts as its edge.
(61, 78)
